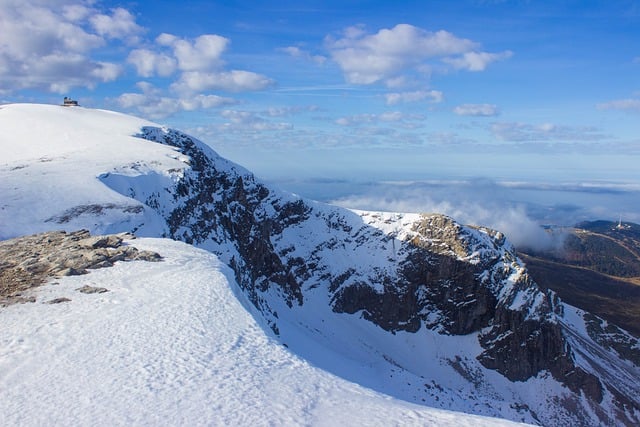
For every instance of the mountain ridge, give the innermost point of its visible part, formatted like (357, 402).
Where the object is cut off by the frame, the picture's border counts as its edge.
(416, 279)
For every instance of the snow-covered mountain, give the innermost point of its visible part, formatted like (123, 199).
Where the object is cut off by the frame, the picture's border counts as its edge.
(417, 307)
(170, 344)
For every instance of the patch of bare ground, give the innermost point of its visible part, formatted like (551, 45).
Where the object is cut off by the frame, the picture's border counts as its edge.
(30, 261)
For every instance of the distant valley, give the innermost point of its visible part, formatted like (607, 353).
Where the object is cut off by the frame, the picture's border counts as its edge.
(597, 269)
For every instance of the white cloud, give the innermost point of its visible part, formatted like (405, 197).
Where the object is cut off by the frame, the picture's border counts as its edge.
(629, 104)
(201, 55)
(149, 63)
(151, 103)
(434, 96)
(476, 61)
(550, 132)
(476, 110)
(199, 63)
(166, 39)
(391, 53)
(120, 24)
(106, 71)
(293, 51)
(230, 81)
(75, 12)
(49, 46)
(205, 101)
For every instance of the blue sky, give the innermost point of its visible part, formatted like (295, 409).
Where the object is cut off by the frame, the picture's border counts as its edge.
(344, 91)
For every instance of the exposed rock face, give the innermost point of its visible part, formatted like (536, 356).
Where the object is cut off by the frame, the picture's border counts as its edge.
(400, 272)
(30, 261)
(217, 204)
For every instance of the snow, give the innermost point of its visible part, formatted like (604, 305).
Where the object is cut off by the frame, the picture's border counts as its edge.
(176, 343)
(172, 344)
(52, 158)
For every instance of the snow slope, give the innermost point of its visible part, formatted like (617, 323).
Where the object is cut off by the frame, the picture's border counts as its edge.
(171, 344)
(72, 147)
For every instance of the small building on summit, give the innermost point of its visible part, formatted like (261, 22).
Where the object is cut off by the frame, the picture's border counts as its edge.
(68, 102)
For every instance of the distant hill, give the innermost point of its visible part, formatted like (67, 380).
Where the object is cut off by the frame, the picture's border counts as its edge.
(597, 269)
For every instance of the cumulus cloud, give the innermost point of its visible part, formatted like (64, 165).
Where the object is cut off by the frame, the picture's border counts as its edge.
(49, 47)
(199, 65)
(629, 104)
(196, 67)
(120, 24)
(523, 132)
(57, 46)
(149, 63)
(391, 53)
(106, 71)
(476, 110)
(201, 54)
(434, 96)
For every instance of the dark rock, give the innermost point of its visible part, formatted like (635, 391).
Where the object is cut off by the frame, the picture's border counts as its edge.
(58, 300)
(86, 289)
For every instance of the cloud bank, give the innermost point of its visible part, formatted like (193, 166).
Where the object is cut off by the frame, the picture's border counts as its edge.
(500, 206)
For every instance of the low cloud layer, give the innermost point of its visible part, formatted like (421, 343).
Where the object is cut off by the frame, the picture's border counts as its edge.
(501, 206)
(467, 206)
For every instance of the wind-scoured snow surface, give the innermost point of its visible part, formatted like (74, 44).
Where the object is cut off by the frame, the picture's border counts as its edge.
(171, 343)
(46, 148)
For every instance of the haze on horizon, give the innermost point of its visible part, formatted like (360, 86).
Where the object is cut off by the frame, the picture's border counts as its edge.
(501, 112)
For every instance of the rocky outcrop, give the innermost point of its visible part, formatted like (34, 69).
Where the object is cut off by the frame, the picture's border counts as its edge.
(459, 281)
(220, 206)
(29, 261)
